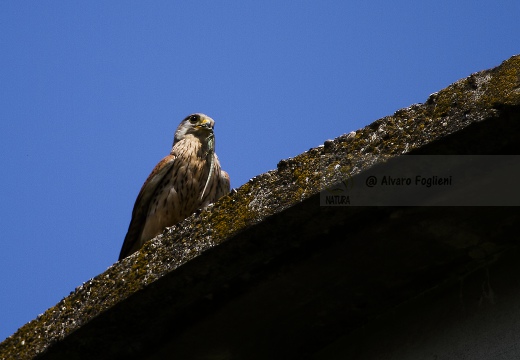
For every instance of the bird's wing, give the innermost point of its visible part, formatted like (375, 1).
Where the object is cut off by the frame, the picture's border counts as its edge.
(141, 206)
(223, 186)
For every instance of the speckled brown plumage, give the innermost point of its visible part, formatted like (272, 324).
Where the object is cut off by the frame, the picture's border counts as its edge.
(179, 184)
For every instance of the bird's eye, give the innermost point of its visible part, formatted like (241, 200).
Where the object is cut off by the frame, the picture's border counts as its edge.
(193, 119)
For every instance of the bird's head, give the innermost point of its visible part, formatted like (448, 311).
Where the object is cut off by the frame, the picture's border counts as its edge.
(198, 125)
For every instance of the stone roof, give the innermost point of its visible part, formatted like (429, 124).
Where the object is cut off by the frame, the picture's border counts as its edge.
(267, 268)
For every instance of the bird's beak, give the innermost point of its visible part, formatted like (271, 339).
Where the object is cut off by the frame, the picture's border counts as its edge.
(206, 124)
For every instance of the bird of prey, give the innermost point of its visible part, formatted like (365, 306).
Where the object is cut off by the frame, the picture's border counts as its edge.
(188, 179)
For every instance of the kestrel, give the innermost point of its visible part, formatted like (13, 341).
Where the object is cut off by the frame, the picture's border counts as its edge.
(188, 179)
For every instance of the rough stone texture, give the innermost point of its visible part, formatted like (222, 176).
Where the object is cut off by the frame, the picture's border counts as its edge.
(268, 273)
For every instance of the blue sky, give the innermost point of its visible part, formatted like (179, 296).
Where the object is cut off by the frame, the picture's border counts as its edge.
(92, 93)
